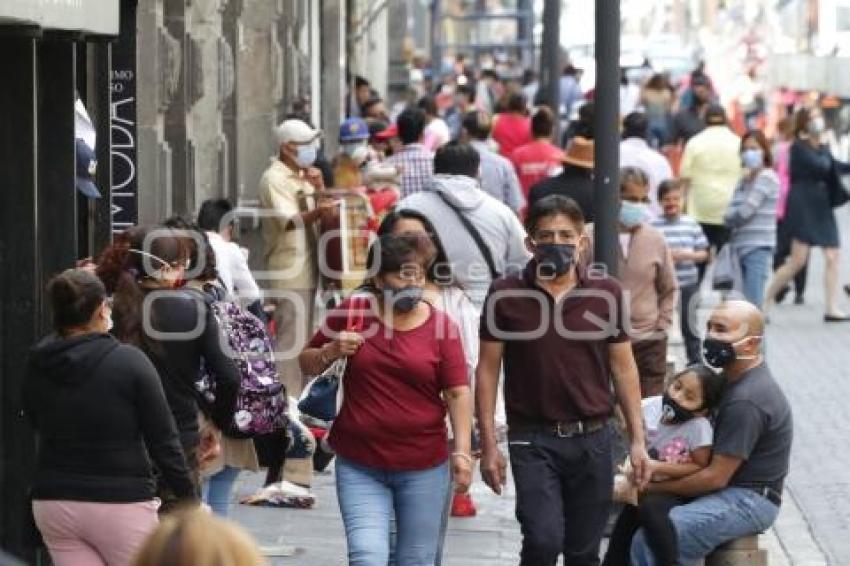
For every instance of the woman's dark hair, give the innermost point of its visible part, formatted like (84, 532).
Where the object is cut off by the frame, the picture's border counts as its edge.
(112, 261)
(801, 121)
(712, 384)
(760, 139)
(390, 254)
(456, 158)
(543, 122)
(517, 102)
(553, 205)
(75, 294)
(411, 124)
(668, 186)
(440, 270)
(167, 246)
(197, 254)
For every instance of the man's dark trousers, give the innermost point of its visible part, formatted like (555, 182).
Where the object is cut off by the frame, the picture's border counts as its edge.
(563, 494)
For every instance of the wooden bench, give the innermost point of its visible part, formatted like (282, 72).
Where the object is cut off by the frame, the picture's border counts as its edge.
(744, 551)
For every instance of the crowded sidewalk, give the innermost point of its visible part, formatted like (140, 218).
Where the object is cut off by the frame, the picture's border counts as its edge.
(807, 358)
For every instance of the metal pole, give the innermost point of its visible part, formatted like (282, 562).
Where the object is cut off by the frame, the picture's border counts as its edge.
(550, 60)
(606, 119)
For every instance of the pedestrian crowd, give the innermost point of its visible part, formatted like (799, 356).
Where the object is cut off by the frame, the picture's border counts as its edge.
(427, 299)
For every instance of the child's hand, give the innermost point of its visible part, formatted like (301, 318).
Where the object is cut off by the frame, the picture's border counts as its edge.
(624, 490)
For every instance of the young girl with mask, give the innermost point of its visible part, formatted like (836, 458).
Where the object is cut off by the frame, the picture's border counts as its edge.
(679, 438)
(405, 365)
(751, 216)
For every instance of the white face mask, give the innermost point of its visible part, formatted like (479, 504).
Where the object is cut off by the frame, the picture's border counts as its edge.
(817, 125)
(109, 323)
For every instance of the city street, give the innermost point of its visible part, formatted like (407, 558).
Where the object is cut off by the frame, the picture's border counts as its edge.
(808, 359)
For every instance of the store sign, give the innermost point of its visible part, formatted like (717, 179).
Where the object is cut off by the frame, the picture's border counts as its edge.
(90, 16)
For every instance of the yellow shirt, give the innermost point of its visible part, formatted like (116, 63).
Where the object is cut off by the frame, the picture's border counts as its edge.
(712, 163)
(284, 194)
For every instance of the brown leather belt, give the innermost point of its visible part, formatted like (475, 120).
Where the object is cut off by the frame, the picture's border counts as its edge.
(564, 429)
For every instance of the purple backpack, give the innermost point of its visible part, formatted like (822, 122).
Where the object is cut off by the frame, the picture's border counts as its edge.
(261, 399)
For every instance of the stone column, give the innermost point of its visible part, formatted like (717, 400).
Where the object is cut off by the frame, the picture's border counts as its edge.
(333, 71)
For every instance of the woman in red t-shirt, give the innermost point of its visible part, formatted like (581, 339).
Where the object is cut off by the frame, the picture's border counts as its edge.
(405, 365)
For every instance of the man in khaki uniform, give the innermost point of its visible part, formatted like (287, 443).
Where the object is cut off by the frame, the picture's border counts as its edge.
(290, 192)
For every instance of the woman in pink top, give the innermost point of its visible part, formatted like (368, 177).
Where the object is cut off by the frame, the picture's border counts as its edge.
(512, 128)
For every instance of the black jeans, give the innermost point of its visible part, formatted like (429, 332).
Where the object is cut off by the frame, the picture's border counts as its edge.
(717, 235)
(563, 494)
(688, 304)
(653, 514)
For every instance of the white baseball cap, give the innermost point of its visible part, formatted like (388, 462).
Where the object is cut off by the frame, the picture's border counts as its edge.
(296, 131)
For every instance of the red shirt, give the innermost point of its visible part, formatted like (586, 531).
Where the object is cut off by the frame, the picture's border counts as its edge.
(392, 415)
(511, 131)
(534, 162)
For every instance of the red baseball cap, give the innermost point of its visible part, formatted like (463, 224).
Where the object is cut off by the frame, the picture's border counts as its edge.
(390, 132)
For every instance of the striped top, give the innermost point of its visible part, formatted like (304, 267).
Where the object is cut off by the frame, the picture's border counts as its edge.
(683, 232)
(752, 212)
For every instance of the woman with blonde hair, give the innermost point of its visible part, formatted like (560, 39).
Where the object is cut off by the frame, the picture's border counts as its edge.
(197, 538)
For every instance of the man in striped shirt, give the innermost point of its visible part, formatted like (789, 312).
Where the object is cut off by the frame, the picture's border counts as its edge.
(688, 246)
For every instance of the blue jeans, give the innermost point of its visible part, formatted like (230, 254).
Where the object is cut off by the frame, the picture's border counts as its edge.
(705, 523)
(755, 267)
(369, 496)
(217, 488)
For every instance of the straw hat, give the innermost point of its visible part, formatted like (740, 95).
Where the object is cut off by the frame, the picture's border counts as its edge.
(579, 153)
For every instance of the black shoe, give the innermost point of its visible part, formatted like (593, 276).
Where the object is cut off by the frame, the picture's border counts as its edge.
(798, 300)
(847, 288)
(780, 296)
(834, 318)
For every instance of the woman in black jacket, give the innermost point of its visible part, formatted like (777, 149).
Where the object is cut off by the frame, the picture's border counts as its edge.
(177, 329)
(100, 415)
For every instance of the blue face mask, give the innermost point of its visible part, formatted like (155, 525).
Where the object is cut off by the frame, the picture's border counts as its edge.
(752, 158)
(632, 213)
(554, 260)
(306, 155)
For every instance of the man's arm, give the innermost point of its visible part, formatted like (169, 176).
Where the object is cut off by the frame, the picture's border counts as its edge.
(493, 465)
(716, 476)
(627, 388)
(512, 192)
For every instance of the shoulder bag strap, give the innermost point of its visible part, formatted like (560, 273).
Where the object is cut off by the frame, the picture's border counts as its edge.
(473, 231)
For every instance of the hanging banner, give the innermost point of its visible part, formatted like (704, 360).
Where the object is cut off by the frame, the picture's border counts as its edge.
(123, 123)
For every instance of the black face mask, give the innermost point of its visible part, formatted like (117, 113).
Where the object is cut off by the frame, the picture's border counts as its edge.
(554, 260)
(717, 353)
(404, 299)
(672, 412)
